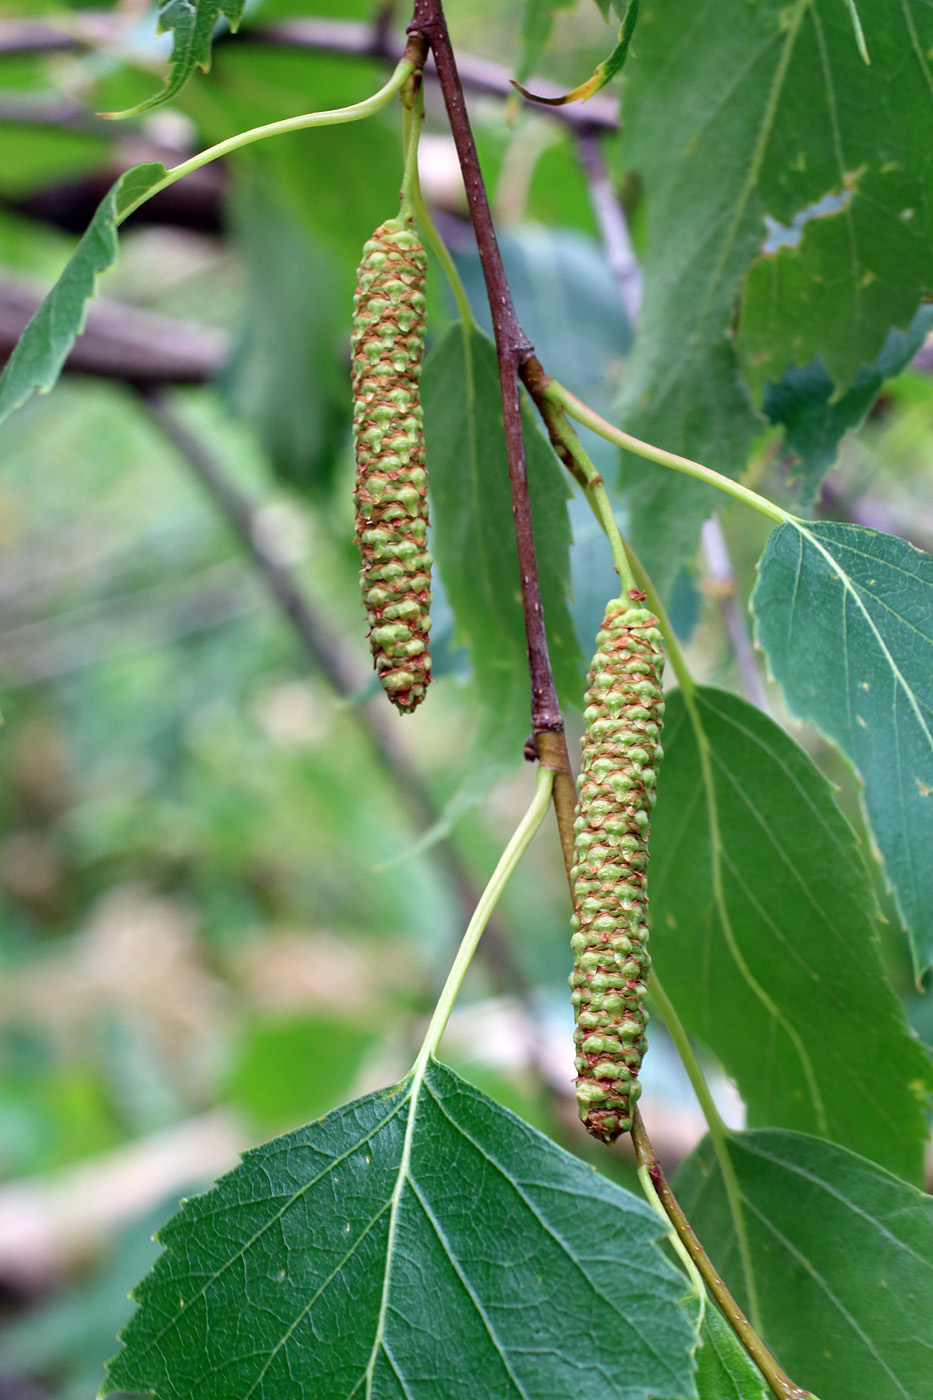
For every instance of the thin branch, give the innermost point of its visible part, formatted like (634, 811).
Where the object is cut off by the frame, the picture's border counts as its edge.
(330, 654)
(512, 347)
(779, 1382)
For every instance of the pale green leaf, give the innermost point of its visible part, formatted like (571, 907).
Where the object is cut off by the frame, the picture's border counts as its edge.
(724, 1371)
(765, 936)
(192, 24)
(842, 1254)
(474, 541)
(845, 616)
(737, 115)
(420, 1242)
(43, 347)
(537, 27)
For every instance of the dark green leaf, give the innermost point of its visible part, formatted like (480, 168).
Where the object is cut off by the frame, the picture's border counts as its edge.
(288, 378)
(420, 1242)
(815, 420)
(474, 542)
(846, 618)
(724, 1371)
(42, 349)
(842, 1254)
(192, 24)
(766, 936)
(720, 122)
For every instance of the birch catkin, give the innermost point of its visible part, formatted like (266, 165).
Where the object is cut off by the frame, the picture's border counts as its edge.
(390, 495)
(617, 789)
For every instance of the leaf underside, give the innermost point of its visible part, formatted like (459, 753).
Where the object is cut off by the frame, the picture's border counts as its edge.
(765, 937)
(845, 615)
(470, 1258)
(842, 1254)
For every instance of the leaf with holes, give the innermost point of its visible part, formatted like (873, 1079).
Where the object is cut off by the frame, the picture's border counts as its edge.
(815, 419)
(841, 1254)
(419, 1242)
(192, 24)
(765, 935)
(43, 347)
(720, 122)
(845, 616)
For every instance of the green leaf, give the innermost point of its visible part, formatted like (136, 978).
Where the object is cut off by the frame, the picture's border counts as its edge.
(759, 112)
(537, 28)
(474, 541)
(815, 419)
(420, 1242)
(765, 936)
(287, 377)
(291, 1069)
(43, 347)
(842, 1254)
(192, 24)
(845, 616)
(724, 1371)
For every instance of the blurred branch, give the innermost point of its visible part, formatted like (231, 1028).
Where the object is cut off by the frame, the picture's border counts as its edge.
(349, 38)
(720, 584)
(623, 264)
(47, 1226)
(122, 342)
(334, 658)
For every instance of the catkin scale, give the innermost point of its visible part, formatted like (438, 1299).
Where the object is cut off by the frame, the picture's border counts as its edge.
(621, 751)
(391, 483)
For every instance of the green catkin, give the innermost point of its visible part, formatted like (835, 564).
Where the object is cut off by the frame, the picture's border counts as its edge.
(621, 751)
(391, 484)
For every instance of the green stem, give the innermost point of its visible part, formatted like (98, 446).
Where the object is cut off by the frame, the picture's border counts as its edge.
(678, 1246)
(412, 122)
(586, 415)
(356, 112)
(436, 243)
(508, 861)
(580, 465)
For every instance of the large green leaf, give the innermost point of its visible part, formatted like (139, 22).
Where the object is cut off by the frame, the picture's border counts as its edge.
(751, 111)
(724, 1371)
(420, 1242)
(192, 24)
(43, 347)
(766, 936)
(846, 617)
(815, 418)
(474, 541)
(842, 1254)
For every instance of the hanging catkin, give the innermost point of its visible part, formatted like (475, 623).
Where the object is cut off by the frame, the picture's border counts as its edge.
(390, 495)
(617, 788)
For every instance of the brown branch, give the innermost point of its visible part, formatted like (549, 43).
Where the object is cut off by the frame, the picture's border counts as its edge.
(779, 1382)
(512, 347)
(124, 343)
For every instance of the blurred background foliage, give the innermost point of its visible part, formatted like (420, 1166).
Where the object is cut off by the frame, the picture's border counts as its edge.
(218, 912)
